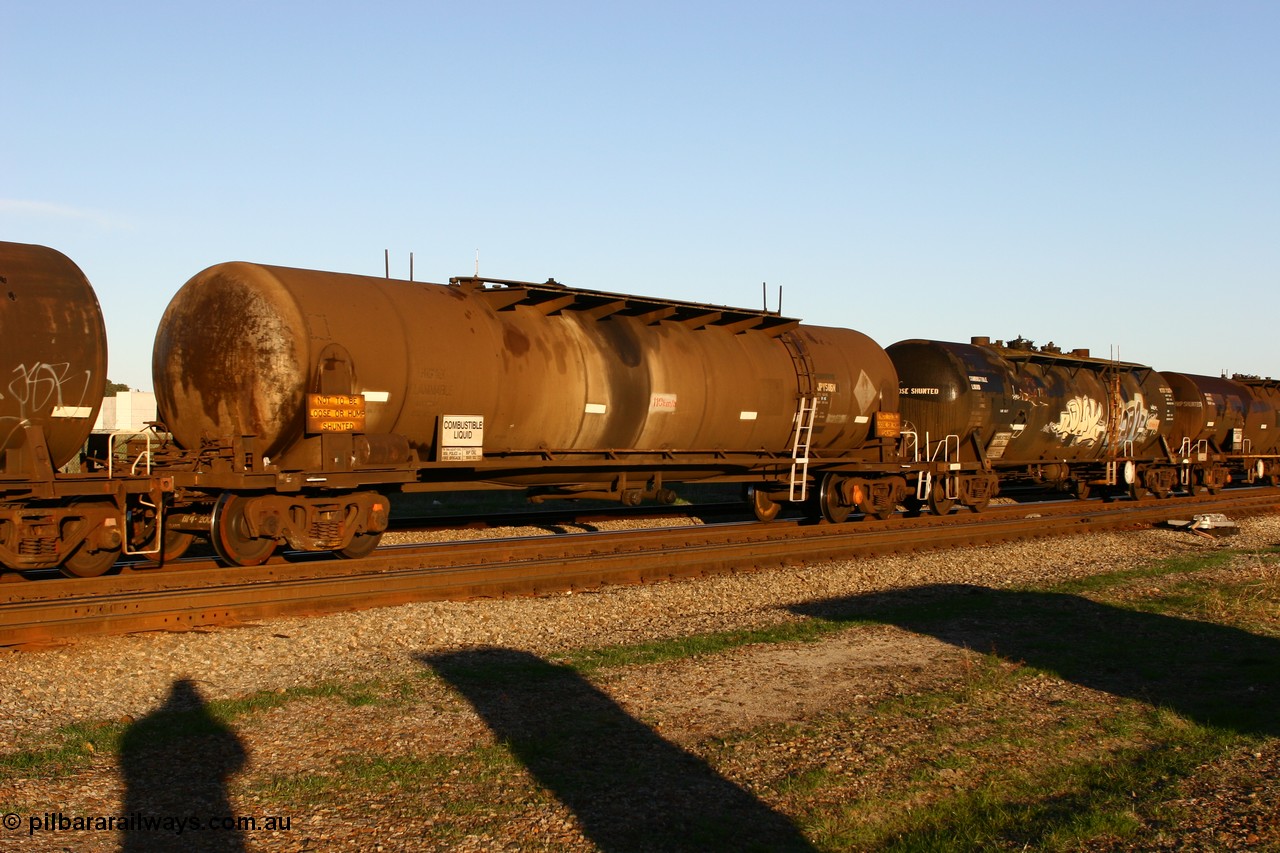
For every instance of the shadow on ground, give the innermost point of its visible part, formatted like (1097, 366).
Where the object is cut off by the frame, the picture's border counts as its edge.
(630, 789)
(1213, 674)
(176, 762)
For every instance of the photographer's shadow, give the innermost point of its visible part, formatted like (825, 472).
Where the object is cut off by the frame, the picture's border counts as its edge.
(176, 762)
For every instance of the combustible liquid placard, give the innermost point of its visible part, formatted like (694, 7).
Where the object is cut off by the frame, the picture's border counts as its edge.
(461, 438)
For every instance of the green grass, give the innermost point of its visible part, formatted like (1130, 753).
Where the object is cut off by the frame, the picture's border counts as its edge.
(1158, 569)
(1056, 807)
(588, 661)
(357, 775)
(461, 795)
(1049, 803)
(69, 748)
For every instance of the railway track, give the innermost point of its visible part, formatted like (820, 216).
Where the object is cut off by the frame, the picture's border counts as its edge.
(208, 595)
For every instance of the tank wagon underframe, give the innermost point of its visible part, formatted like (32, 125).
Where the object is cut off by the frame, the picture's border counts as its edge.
(79, 522)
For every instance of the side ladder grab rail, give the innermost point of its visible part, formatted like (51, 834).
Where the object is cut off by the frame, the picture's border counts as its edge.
(799, 480)
(806, 412)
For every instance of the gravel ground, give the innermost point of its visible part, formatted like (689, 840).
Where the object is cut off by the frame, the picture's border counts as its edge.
(131, 676)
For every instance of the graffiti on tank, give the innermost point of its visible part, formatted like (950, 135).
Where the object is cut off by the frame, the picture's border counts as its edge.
(46, 389)
(1029, 391)
(43, 387)
(1084, 421)
(10, 427)
(1137, 420)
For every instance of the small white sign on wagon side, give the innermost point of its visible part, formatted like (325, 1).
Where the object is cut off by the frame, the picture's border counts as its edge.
(461, 438)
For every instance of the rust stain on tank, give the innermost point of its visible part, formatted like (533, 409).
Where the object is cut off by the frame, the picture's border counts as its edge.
(553, 355)
(623, 342)
(515, 341)
(224, 330)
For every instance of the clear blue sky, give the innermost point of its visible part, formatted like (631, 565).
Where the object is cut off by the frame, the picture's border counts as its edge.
(1099, 174)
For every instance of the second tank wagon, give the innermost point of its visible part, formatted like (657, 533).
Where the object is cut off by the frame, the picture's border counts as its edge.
(321, 383)
(550, 370)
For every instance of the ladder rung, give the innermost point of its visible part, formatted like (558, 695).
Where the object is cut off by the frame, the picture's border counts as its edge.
(799, 479)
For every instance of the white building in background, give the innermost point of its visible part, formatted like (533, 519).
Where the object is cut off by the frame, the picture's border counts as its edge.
(124, 413)
(127, 410)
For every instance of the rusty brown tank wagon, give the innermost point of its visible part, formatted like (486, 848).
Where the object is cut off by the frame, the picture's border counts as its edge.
(568, 392)
(54, 369)
(297, 404)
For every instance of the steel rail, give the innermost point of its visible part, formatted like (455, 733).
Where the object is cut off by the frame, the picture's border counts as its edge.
(171, 601)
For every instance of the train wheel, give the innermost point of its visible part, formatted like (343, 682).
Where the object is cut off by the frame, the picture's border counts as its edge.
(979, 505)
(939, 503)
(1082, 490)
(231, 538)
(84, 563)
(362, 545)
(829, 500)
(176, 543)
(764, 507)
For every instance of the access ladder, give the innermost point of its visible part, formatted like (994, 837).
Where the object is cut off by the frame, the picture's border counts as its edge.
(806, 411)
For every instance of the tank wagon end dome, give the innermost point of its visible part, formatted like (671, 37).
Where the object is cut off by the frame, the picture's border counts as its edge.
(53, 350)
(230, 358)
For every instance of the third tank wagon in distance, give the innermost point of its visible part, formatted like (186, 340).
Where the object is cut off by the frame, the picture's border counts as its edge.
(1077, 422)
